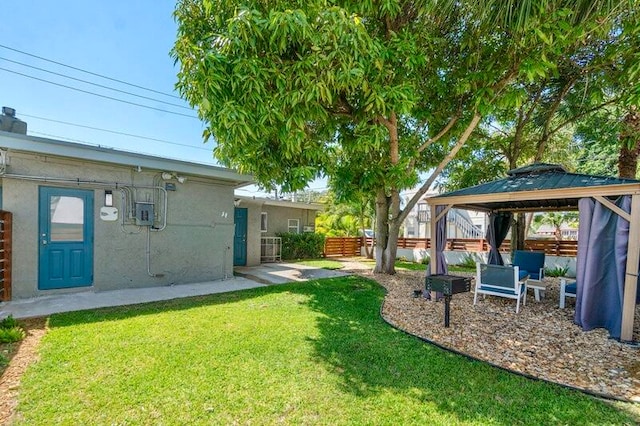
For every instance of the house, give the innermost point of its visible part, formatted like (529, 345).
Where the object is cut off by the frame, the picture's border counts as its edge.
(263, 219)
(87, 217)
(460, 223)
(567, 232)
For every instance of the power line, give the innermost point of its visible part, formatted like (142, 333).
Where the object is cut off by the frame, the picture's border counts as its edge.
(97, 94)
(49, 135)
(95, 84)
(65, 138)
(89, 72)
(115, 132)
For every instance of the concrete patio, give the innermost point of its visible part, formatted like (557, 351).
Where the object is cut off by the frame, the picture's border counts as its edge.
(247, 277)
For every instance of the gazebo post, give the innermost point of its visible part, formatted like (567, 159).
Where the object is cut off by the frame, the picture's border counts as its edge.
(433, 265)
(631, 278)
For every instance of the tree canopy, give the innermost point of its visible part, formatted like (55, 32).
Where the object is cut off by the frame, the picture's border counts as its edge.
(371, 94)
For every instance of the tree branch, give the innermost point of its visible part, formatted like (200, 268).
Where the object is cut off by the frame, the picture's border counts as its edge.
(550, 114)
(582, 114)
(440, 134)
(501, 84)
(343, 108)
(447, 159)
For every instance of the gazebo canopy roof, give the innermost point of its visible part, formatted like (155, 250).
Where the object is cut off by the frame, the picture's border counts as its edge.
(537, 187)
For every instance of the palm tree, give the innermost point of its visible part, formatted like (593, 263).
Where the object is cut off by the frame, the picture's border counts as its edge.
(556, 219)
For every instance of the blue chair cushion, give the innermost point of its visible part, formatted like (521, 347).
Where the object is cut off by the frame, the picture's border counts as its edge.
(571, 288)
(522, 274)
(502, 290)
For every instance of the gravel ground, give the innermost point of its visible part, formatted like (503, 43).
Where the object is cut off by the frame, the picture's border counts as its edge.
(540, 341)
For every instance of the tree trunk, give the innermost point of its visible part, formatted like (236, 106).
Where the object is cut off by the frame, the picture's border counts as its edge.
(529, 219)
(628, 162)
(517, 233)
(392, 248)
(558, 233)
(387, 229)
(364, 235)
(630, 145)
(382, 231)
(519, 226)
(389, 215)
(373, 222)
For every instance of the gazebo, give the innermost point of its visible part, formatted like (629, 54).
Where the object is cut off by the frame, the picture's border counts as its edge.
(608, 242)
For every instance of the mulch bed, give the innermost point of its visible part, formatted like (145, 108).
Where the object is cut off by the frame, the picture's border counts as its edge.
(21, 357)
(541, 341)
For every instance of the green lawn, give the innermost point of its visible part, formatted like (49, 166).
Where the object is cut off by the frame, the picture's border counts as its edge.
(304, 353)
(322, 263)
(412, 266)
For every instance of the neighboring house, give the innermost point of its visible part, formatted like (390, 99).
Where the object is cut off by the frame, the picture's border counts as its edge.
(264, 219)
(461, 223)
(87, 217)
(568, 232)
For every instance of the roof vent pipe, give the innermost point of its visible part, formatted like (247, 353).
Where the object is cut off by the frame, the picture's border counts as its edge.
(9, 122)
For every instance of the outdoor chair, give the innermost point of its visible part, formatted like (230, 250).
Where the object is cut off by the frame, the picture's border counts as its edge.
(567, 290)
(501, 281)
(532, 263)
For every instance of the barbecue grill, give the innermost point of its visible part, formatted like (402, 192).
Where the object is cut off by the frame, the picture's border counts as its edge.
(448, 285)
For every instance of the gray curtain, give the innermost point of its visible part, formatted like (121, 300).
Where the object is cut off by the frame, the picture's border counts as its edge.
(499, 224)
(441, 243)
(603, 238)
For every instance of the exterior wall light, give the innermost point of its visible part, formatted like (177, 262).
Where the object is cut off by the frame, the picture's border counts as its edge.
(108, 198)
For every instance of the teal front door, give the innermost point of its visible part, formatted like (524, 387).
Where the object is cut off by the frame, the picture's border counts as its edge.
(65, 238)
(240, 237)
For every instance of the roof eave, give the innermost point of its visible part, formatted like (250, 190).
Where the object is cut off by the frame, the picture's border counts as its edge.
(27, 143)
(478, 200)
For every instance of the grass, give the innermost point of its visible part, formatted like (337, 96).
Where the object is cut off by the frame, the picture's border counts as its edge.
(304, 353)
(410, 266)
(322, 263)
(461, 268)
(400, 264)
(413, 266)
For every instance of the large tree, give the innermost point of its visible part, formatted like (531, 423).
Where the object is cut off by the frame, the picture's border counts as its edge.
(370, 93)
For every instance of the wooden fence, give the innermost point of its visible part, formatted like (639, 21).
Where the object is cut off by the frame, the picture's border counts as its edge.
(344, 246)
(6, 222)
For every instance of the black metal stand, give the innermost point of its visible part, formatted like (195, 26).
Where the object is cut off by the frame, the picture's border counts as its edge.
(447, 300)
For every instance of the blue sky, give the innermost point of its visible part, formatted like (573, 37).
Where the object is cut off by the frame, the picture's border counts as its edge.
(124, 40)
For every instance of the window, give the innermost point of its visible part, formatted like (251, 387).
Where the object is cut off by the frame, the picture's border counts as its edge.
(294, 226)
(263, 222)
(66, 218)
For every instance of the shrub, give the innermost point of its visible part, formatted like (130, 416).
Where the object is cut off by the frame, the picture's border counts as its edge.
(9, 335)
(4, 361)
(402, 259)
(8, 322)
(556, 271)
(425, 260)
(468, 262)
(308, 245)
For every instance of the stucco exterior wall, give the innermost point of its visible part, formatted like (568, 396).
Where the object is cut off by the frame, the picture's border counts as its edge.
(278, 217)
(195, 246)
(277, 221)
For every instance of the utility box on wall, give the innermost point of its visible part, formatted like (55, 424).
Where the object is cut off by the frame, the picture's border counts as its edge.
(144, 214)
